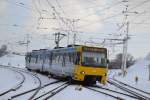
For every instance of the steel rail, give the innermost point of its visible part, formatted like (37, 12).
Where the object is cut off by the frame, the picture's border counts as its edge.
(15, 87)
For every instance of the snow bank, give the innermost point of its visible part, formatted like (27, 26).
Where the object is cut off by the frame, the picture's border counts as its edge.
(141, 70)
(14, 60)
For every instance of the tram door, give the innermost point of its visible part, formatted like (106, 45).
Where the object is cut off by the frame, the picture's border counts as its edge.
(68, 63)
(56, 64)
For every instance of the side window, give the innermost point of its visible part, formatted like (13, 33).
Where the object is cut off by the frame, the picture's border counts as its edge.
(36, 59)
(50, 58)
(74, 57)
(63, 59)
(70, 57)
(32, 59)
(66, 58)
(59, 58)
(47, 58)
(77, 61)
(41, 58)
(54, 57)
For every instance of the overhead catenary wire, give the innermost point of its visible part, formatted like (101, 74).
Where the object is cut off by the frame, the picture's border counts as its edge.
(60, 7)
(101, 10)
(140, 4)
(56, 15)
(118, 14)
(22, 5)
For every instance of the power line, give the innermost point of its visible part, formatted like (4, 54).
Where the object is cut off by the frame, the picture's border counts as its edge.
(140, 4)
(102, 10)
(56, 14)
(97, 21)
(37, 9)
(60, 7)
(22, 5)
(53, 8)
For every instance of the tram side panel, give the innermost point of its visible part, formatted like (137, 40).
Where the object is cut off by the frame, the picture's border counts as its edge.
(46, 64)
(62, 64)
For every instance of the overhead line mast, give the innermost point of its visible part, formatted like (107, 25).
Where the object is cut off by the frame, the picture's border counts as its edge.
(126, 38)
(58, 37)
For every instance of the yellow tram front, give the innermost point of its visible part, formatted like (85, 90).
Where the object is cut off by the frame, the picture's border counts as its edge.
(92, 66)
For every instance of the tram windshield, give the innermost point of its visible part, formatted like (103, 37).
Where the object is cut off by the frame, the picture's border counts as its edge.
(94, 59)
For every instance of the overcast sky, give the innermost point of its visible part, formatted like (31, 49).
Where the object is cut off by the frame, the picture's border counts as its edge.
(94, 20)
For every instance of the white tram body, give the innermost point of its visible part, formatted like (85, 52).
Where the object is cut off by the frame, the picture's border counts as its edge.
(77, 62)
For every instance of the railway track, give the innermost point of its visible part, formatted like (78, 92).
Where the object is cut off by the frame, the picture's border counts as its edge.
(52, 92)
(131, 91)
(148, 93)
(23, 71)
(113, 91)
(105, 93)
(31, 90)
(47, 95)
(17, 86)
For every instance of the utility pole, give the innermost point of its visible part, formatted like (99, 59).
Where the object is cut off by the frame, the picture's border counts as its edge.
(58, 37)
(149, 72)
(74, 38)
(126, 38)
(125, 48)
(74, 23)
(27, 43)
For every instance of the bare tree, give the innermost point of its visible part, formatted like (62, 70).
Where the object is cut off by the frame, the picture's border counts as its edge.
(3, 50)
(117, 62)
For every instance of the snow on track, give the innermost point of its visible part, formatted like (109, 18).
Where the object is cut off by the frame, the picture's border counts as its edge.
(30, 79)
(20, 77)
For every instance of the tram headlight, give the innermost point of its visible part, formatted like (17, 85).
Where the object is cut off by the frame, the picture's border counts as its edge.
(82, 72)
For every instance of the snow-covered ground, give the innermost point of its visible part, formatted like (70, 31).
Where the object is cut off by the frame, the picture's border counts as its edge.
(9, 79)
(14, 60)
(141, 70)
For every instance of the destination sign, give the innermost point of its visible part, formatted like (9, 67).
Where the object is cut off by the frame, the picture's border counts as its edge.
(93, 49)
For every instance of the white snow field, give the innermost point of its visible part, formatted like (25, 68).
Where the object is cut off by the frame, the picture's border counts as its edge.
(9, 79)
(141, 70)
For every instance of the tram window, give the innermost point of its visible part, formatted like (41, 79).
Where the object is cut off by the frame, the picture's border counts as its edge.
(64, 61)
(59, 58)
(32, 59)
(50, 58)
(45, 58)
(70, 57)
(36, 59)
(53, 57)
(77, 58)
(67, 58)
(56, 58)
(94, 59)
(74, 58)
